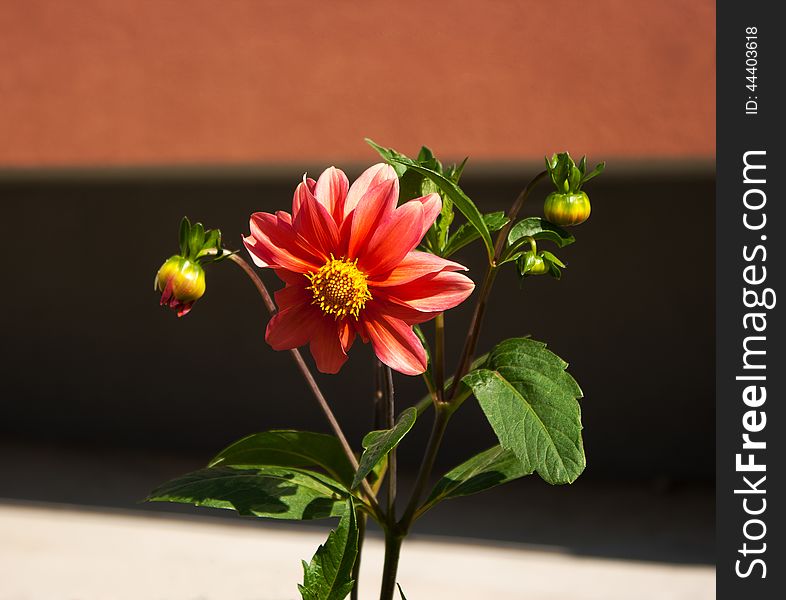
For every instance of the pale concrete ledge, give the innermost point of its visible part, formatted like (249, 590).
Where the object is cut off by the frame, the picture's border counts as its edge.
(50, 553)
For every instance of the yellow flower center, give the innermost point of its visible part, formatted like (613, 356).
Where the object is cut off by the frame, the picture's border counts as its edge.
(339, 288)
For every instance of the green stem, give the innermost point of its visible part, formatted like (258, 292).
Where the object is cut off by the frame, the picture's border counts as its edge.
(439, 356)
(393, 540)
(441, 418)
(491, 273)
(312, 384)
(391, 421)
(356, 566)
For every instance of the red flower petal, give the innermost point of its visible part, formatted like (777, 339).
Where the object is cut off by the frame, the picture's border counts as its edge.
(397, 234)
(331, 192)
(394, 342)
(377, 202)
(292, 295)
(370, 178)
(432, 205)
(293, 326)
(300, 191)
(414, 265)
(316, 226)
(432, 293)
(275, 244)
(330, 341)
(411, 316)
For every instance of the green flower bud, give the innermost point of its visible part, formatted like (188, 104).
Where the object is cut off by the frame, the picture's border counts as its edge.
(181, 283)
(567, 209)
(532, 263)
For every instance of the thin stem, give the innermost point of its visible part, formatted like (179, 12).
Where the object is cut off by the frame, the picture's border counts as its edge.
(356, 567)
(249, 270)
(439, 355)
(379, 395)
(441, 419)
(392, 470)
(499, 244)
(491, 273)
(311, 382)
(393, 540)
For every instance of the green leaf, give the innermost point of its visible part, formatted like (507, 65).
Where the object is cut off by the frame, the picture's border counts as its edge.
(289, 448)
(459, 198)
(549, 257)
(532, 405)
(377, 444)
(329, 575)
(483, 471)
(185, 233)
(594, 173)
(540, 229)
(467, 233)
(454, 172)
(390, 157)
(274, 492)
(196, 240)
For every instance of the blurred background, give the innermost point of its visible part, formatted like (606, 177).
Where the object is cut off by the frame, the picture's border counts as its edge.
(117, 118)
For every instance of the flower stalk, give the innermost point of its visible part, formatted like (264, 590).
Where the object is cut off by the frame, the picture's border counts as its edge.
(312, 385)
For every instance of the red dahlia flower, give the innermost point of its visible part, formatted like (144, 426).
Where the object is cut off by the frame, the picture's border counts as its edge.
(346, 255)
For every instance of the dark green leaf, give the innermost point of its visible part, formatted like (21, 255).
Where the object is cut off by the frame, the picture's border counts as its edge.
(532, 404)
(583, 164)
(459, 198)
(274, 492)
(540, 229)
(409, 185)
(377, 444)
(289, 448)
(490, 468)
(550, 258)
(329, 575)
(467, 233)
(185, 234)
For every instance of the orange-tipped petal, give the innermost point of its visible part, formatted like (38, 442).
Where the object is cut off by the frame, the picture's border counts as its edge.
(394, 342)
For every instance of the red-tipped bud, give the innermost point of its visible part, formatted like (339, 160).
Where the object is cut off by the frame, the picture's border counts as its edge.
(181, 283)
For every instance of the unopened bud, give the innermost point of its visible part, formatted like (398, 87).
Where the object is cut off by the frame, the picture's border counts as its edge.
(181, 283)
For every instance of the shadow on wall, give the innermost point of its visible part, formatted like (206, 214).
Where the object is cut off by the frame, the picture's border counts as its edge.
(89, 358)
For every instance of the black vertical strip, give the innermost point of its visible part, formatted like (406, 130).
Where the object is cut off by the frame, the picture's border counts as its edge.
(751, 561)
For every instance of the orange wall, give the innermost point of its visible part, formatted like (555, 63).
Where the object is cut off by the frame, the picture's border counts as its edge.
(96, 82)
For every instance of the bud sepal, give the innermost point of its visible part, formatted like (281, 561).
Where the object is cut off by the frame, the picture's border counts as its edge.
(181, 279)
(568, 205)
